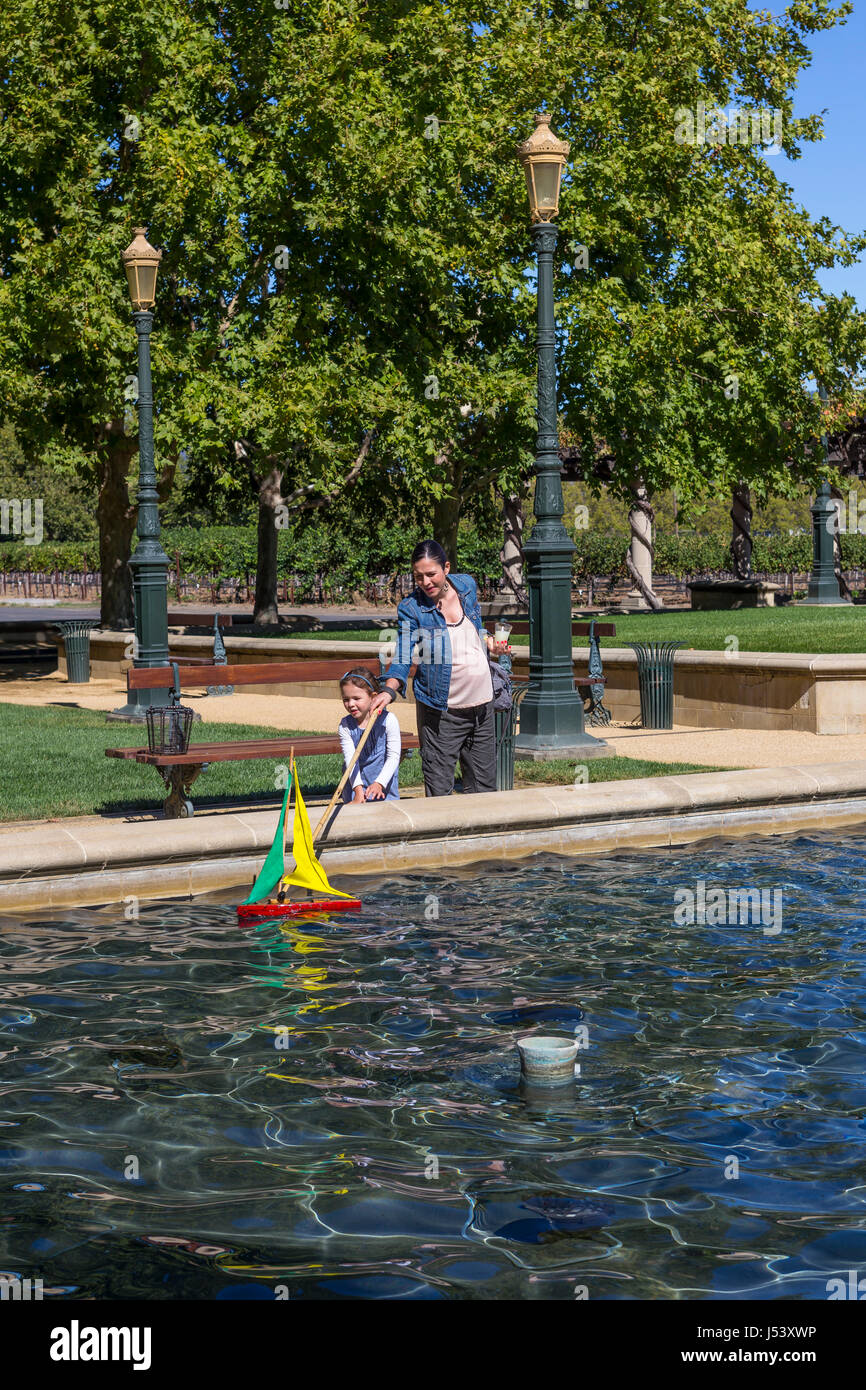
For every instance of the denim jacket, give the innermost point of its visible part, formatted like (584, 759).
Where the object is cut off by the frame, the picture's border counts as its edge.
(420, 625)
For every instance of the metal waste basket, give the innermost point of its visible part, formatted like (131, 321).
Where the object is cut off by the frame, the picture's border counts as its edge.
(655, 678)
(76, 644)
(506, 721)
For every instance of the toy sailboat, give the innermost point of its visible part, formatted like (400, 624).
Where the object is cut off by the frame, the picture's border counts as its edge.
(268, 897)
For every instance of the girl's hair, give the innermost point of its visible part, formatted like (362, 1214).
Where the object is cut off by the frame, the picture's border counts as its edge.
(430, 550)
(361, 675)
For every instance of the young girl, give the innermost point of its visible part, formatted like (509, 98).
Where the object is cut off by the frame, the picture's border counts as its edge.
(376, 773)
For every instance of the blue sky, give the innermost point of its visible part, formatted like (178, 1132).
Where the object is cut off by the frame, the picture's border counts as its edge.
(828, 179)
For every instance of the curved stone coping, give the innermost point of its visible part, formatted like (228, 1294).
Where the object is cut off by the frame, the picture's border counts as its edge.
(96, 861)
(829, 664)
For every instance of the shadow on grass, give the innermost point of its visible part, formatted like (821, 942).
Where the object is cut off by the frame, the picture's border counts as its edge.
(225, 801)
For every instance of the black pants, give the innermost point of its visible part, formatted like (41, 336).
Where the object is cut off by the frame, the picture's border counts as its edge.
(467, 734)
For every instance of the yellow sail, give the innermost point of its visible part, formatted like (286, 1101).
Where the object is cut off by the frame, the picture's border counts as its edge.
(308, 872)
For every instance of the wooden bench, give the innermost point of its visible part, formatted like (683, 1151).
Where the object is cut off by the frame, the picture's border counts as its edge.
(177, 617)
(180, 770)
(591, 682)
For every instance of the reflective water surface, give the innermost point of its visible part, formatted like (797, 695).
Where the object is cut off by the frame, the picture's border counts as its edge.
(334, 1109)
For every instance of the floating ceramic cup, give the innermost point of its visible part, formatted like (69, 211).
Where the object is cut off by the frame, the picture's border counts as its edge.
(547, 1061)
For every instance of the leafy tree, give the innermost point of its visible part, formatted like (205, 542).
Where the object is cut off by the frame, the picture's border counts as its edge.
(694, 314)
(346, 290)
(689, 305)
(81, 83)
(184, 118)
(68, 508)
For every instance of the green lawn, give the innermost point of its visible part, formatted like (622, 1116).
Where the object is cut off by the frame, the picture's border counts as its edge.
(59, 768)
(602, 770)
(54, 764)
(788, 629)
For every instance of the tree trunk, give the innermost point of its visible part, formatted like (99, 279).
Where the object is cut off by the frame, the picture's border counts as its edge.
(639, 559)
(741, 538)
(116, 516)
(513, 522)
(446, 516)
(265, 611)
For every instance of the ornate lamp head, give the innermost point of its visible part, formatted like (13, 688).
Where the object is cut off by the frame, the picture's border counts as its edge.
(543, 158)
(141, 262)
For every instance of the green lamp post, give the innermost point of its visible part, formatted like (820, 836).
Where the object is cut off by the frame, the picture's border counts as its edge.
(551, 714)
(823, 584)
(149, 564)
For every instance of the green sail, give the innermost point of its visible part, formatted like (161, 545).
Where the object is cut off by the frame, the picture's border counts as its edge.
(274, 866)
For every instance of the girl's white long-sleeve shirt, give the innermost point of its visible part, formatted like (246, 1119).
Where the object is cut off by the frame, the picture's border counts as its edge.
(392, 751)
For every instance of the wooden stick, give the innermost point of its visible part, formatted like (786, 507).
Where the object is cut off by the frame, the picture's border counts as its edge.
(286, 822)
(366, 734)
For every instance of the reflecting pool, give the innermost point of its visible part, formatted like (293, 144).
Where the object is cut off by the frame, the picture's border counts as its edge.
(334, 1108)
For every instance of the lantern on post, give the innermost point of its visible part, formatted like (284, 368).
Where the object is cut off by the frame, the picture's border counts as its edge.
(543, 158)
(551, 715)
(141, 263)
(149, 564)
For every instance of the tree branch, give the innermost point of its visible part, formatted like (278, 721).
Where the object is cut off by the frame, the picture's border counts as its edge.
(350, 478)
(230, 309)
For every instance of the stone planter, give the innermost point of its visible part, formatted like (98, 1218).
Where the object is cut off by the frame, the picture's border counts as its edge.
(713, 594)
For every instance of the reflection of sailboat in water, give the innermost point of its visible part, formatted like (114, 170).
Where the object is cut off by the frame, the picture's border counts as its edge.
(269, 896)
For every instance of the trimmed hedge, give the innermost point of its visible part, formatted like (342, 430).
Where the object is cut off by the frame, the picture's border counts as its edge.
(307, 554)
(696, 555)
(352, 560)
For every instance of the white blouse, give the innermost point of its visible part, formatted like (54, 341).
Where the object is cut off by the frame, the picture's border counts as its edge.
(393, 746)
(471, 682)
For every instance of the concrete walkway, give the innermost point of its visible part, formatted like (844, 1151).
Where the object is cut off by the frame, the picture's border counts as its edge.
(730, 748)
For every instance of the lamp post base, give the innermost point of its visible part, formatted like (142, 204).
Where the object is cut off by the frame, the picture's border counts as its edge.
(823, 603)
(535, 750)
(634, 602)
(127, 714)
(136, 707)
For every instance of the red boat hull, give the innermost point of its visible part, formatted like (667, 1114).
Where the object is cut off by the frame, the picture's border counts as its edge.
(296, 909)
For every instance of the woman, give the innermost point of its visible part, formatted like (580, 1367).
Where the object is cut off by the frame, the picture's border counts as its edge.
(452, 686)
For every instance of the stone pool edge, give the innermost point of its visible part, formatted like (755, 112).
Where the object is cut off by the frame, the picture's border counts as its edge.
(92, 862)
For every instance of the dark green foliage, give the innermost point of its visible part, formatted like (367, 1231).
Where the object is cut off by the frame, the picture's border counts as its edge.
(348, 558)
(351, 559)
(691, 556)
(68, 503)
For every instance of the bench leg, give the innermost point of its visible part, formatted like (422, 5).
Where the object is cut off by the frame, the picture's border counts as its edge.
(179, 780)
(598, 715)
(595, 713)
